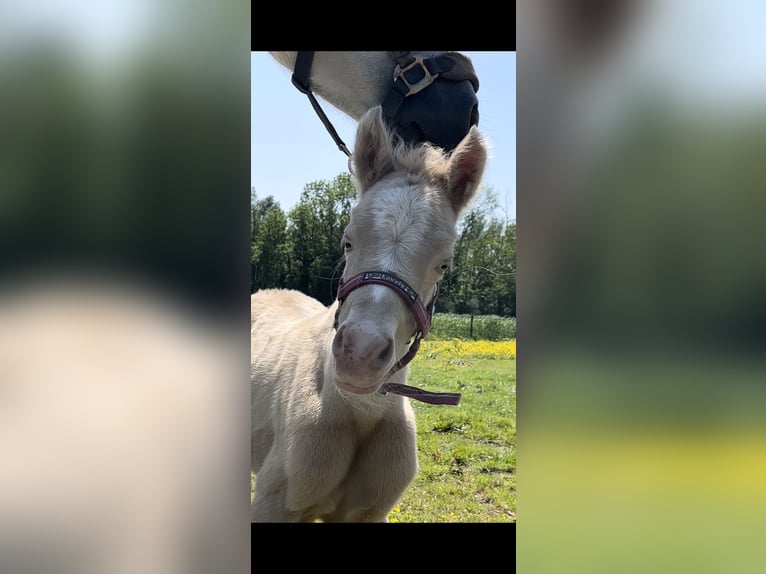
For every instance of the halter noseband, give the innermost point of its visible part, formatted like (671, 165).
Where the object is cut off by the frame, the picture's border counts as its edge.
(423, 315)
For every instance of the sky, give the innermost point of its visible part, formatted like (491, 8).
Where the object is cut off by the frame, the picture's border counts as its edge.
(290, 146)
(711, 51)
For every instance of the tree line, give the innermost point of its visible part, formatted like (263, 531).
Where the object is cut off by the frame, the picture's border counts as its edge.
(301, 249)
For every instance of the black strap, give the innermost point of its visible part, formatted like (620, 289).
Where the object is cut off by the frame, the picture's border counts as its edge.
(438, 66)
(400, 89)
(302, 71)
(448, 71)
(302, 80)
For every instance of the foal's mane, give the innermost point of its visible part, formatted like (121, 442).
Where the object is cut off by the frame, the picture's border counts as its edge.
(424, 158)
(422, 162)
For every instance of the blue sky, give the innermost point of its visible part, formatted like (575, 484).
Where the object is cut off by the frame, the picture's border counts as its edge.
(290, 147)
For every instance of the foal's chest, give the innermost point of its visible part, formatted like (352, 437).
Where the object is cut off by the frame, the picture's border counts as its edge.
(365, 419)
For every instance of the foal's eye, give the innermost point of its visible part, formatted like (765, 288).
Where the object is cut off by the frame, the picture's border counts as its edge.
(347, 246)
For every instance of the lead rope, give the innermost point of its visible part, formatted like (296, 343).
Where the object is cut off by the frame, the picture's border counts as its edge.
(302, 80)
(421, 395)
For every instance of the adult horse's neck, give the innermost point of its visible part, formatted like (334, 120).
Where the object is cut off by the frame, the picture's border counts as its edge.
(353, 82)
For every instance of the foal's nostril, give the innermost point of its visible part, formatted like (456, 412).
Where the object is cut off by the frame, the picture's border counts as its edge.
(337, 342)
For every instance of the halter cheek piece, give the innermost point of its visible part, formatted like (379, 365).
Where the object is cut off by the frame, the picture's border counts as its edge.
(423, 315)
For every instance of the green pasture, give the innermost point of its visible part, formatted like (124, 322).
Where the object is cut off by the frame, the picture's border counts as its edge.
(467, 453)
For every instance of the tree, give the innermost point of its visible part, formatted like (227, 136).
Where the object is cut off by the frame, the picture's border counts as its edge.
(258, 210)
(270, 247)
(316, 227)
(483, 275)
(302, 250)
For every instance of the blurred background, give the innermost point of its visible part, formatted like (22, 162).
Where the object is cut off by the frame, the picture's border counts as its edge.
(124, 138)
(123, 131)
(641, 283)
(124, 277)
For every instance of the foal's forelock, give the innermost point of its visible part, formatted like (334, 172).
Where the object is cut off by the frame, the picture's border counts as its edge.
(403, 229)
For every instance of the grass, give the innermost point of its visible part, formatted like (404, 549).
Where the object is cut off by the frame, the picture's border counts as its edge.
(485, 327)
(466, 453)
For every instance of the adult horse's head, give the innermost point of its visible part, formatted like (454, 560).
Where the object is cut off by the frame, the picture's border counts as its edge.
(443, 111)
(403, 226)
(425, 96)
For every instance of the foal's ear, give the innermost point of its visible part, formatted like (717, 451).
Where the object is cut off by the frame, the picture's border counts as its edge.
(372, 149)
(466, 167)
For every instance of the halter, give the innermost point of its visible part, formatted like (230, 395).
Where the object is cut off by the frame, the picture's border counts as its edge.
(423, 120)
(423, 315)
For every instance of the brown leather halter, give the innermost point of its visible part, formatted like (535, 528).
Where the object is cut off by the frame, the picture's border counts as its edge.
(423, 315)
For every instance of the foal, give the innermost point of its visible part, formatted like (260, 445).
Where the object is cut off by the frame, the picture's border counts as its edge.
(327, 441)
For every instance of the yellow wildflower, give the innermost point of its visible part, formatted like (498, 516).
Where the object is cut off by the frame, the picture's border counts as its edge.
(456, 349)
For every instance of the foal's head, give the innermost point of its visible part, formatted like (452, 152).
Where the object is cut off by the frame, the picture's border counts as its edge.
(404, 224)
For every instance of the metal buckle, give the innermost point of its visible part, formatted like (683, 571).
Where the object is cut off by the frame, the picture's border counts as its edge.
(421, 84)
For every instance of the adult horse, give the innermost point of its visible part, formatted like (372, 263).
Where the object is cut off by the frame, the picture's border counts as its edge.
(332, 437)
(424, 96)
